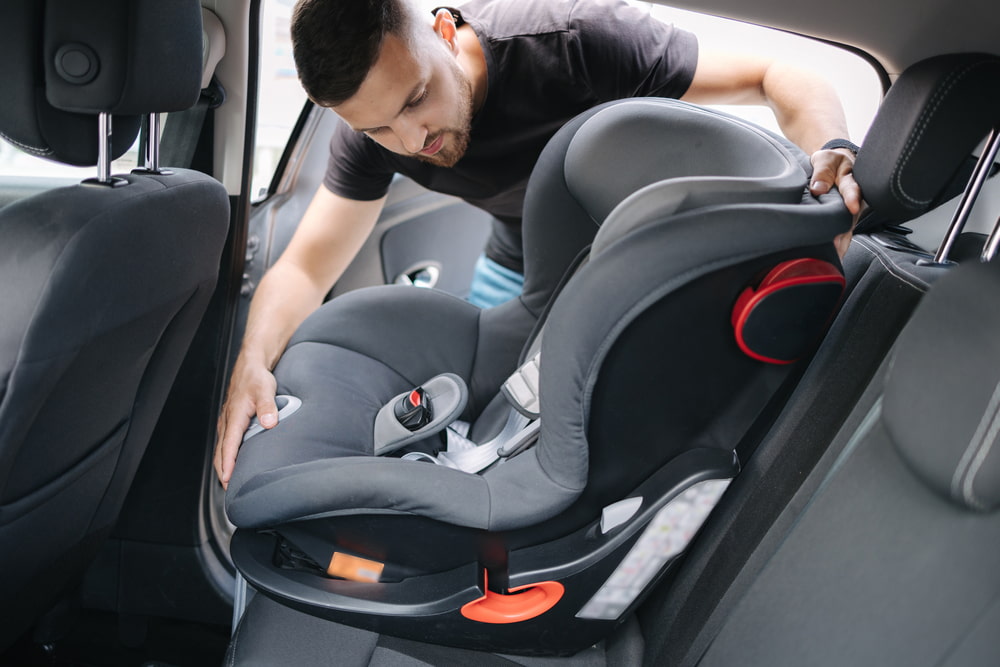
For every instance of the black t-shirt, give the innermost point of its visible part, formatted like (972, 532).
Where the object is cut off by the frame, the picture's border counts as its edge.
(546, 63)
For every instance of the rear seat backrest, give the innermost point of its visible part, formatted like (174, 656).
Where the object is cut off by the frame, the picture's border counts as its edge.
(885, 280)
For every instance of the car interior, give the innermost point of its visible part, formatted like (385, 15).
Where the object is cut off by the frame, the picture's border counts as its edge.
(700, 436)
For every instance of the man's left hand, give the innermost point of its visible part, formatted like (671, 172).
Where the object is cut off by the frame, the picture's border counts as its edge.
(836, 168)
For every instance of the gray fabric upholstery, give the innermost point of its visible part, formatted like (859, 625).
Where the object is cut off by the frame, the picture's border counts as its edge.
(380, 342)
(744, 165)
(872, 563)
(930, 120)
(653, 305)
(942, 413)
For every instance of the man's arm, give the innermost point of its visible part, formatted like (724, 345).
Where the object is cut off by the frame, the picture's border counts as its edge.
(806, 107)
(330, 234)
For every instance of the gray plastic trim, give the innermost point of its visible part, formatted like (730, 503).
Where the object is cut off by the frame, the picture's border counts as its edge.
(447, 394)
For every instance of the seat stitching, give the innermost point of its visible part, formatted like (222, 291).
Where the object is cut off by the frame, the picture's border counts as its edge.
(910, 279)
(984, 450)
(979, 446)
(27, 148)
(925, 117)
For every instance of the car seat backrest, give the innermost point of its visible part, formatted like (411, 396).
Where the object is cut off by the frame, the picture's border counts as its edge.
(887, 554)
(102, 284)
(638, 177)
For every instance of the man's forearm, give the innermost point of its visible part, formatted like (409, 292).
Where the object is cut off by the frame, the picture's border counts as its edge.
(806, 106)
(284, 298)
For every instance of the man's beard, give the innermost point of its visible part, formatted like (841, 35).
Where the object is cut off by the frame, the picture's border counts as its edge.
(452, 151)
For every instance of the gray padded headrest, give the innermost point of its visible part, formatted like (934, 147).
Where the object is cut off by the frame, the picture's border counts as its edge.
(76, 58)
(942, 396)
(929, 123)
(677, 156)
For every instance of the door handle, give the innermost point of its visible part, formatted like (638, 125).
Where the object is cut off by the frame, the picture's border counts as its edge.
(425, 275)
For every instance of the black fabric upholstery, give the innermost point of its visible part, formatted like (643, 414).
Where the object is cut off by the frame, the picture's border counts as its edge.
(27, 119)
(272, 634)
(930, 121)
(161, 73)
(102, 289)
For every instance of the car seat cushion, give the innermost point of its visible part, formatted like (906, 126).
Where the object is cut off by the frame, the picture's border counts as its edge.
(317, 457)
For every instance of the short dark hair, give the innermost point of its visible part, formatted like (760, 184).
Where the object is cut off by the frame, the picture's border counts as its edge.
(336, 43)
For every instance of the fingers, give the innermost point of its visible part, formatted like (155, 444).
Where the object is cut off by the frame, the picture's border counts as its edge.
(835, 168)
(842, 242)
(251, 393)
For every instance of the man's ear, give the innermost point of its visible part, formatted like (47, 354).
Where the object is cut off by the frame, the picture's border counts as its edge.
(444, 26)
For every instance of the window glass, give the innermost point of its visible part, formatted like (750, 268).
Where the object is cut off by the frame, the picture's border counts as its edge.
(853, 77)
(15, 162)
(281, 97)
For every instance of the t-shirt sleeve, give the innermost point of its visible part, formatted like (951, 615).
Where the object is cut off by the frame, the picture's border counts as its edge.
(628, 53)
(355, 168)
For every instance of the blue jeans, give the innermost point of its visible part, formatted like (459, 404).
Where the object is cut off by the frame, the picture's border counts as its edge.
(493, 284)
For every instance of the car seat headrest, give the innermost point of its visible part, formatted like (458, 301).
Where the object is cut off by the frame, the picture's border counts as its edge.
(942, 404)
(81, 58)
(931, 120)
(712, 159)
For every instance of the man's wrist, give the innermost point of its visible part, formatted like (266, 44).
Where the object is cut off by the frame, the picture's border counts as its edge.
(834, 144)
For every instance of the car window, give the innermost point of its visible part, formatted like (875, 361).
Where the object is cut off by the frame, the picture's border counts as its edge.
(282, 98)
(853, 77)
(15, 162)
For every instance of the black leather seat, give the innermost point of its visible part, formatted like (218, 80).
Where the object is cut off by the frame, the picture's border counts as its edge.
(689, 213)
(102, 284)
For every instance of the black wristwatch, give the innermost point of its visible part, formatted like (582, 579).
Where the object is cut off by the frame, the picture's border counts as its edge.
(459, 21)
(840, 143)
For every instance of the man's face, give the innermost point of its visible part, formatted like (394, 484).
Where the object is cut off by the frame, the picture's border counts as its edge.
(415, 102)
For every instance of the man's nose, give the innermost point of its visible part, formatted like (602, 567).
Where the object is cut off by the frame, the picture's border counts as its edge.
(412, 135)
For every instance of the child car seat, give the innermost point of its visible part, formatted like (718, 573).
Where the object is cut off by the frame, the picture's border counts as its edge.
(711, 270)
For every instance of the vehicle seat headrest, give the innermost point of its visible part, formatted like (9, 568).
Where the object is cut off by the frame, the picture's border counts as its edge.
(79, 58)
(931, 120)
(942, 403)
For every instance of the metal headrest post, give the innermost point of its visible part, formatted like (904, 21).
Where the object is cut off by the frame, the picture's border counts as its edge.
(993, 242)
(150, 149)
(972, 191)
(104, 130)
(104, 153)
(152, 162)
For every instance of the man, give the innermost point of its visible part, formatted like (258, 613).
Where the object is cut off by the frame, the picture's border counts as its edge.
(463, 102)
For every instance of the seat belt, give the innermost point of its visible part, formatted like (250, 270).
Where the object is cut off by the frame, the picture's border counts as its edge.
(182, 130)
(518, 433)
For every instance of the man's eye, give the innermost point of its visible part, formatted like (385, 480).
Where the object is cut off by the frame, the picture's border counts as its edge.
(418, 101)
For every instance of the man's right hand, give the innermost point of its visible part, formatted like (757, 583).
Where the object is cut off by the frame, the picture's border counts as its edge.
(251, 393)
(328, 237)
